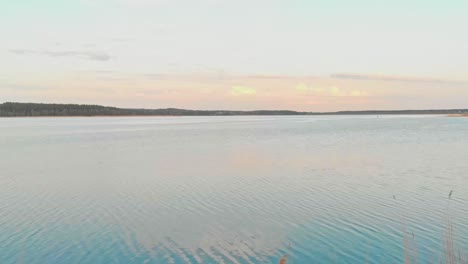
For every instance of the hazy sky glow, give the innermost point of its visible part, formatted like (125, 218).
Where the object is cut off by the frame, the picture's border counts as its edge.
(322, 55)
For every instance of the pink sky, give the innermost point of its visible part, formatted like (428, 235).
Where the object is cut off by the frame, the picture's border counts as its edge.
(244, 54)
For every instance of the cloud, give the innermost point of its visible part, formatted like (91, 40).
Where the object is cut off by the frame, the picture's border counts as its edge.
(277, 77)
(242, 90)
(330, 91)
(218, 75)
(392, 78)
(147, 92)
(302, 87)
(90, 55)
(25, 87)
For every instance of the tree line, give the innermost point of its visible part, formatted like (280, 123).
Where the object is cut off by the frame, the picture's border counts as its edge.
(10, 109)
(34, 109)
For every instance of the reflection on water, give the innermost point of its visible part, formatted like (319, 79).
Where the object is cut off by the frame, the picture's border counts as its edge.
(229, 189)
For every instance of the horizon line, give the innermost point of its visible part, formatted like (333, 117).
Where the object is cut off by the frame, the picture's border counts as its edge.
(247, 111)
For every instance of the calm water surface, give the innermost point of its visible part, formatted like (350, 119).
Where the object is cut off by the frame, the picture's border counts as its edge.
(230, 189)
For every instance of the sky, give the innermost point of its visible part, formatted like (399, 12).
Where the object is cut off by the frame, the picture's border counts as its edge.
(307, 55)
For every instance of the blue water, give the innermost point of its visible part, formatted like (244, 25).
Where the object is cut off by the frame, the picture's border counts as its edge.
(231, 189)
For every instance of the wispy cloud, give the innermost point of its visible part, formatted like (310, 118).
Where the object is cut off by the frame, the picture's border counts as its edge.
(25, 87)
(277, 77)
(392, 78)
(223, 75)
(330, 91)
(243, 90)
(90, 55)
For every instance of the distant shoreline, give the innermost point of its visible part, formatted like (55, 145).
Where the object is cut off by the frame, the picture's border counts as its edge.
(168, 116)
(93, 116)
(10, 109)
(458, 115)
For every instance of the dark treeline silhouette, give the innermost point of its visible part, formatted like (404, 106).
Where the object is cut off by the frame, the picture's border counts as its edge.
(34, 109)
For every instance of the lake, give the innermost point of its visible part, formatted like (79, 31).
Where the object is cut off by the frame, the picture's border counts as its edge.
(250, 189)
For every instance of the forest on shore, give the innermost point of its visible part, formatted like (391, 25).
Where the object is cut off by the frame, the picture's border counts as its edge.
(11, 109)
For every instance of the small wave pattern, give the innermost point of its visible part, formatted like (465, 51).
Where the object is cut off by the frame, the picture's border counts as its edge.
(232, 189)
